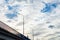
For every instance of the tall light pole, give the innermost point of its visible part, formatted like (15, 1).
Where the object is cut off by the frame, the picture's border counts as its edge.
(33, 34)
(23, 23)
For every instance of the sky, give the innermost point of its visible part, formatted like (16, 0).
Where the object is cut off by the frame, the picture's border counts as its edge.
(41, 17)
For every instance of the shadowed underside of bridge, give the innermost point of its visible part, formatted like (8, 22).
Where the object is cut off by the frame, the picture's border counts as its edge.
(7, 33)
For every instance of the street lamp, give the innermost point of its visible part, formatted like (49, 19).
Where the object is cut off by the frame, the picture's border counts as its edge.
(33, 33)
(23, 23)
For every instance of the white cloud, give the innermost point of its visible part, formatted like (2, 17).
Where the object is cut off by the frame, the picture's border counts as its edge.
(33, 18)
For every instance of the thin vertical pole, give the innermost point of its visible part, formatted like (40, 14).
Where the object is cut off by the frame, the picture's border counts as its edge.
(33, 34)
(23, 24)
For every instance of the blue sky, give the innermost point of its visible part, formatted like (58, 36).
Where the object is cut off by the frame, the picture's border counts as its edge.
(49, 7)
(41, 16)
(11, 16)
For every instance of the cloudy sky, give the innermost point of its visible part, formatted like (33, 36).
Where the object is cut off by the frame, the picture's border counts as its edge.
(41, 17)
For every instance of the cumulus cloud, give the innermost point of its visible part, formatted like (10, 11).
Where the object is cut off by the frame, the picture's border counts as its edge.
(39, 21)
